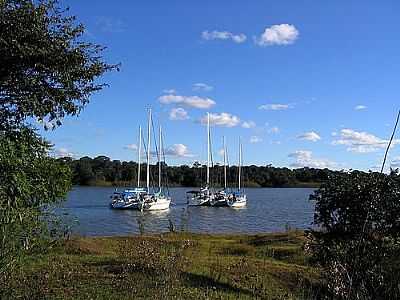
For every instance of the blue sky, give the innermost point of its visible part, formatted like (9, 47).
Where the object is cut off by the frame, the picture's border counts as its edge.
(303, 83)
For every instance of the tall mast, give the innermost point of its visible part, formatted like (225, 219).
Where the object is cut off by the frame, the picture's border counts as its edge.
(148, 150)
(139, 155)
(240, 161)
(159, 158)
(224, 146)
(208, 149)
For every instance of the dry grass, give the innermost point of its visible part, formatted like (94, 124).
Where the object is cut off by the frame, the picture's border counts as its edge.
(171, 266)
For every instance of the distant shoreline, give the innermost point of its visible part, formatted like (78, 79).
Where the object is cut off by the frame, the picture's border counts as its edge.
(132, 184)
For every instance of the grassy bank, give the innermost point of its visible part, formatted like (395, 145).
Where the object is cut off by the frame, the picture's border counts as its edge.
(173, 265)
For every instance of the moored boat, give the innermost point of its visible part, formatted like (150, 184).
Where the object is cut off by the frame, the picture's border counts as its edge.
(159, 200)
(220, 198)
(238, 199)
(129, 198)
(204, 196)
(199, 198)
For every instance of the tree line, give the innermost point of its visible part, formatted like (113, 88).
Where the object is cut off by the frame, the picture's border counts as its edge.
(101, 170)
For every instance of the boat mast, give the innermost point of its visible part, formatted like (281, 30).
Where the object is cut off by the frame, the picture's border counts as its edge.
(240, 162)
(159, 159)
(139, 155)
(148, 150)
(224, 146)
(208, 149)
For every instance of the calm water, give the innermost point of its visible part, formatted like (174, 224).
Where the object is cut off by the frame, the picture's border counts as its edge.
(87, 210)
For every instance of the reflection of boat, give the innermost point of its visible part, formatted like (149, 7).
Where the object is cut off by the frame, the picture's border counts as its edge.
(204, 195)
(129, 199)
(159, 200)
(239, 198)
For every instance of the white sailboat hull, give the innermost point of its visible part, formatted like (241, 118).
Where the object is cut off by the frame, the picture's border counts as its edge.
(200, 198)
(125, 205)
(162, 203)
(219, 200)
(199, 201)
(238, 202)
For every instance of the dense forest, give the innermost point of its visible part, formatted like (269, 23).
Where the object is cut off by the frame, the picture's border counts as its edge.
(104, 171)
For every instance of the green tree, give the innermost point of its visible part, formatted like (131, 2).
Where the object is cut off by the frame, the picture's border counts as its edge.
(30, 180)
(358, 241)
(47, 71)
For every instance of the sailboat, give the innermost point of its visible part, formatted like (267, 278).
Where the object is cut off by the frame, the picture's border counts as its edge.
(220, 198)
(129, 198)
(239, 198)
(203, 196)
(159, 200)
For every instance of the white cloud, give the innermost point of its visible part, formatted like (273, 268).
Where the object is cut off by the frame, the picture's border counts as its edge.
(178, 114)
(110, 25)
(361, 142)
(202, 87)
(63, 152)
(169, 91)
(305, 158)
(360, 107)
(283, 34)
(395, 163)
(178, 150)
(191, 101)
(274, 130)
(275, 106)
(223, 119)
(132, 147)
(221, 152)
(248, 124)
(255, 139)
(223, 35)
(309, 136)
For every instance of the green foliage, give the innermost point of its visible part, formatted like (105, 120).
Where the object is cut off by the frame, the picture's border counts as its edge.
(30, 181)
(358, 243)
(101, 170)
(46, 70)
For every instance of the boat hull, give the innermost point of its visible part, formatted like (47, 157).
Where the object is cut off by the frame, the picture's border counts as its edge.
(238, 203)
(125, 205)
(199, 202)
(219, 203)
(157, 204)
(201, 198)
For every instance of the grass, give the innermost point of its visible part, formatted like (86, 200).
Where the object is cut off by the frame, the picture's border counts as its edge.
(171, 266)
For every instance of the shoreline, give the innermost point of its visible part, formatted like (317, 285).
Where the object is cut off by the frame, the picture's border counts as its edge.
(131, 184)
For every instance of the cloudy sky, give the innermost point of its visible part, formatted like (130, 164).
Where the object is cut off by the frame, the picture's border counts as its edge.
(303, 83)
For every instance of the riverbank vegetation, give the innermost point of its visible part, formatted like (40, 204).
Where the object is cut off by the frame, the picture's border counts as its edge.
(103, 171)
(358, 247)
(47, 72)
(172, 266)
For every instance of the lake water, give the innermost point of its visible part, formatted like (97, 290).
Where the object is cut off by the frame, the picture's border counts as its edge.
(268, 210)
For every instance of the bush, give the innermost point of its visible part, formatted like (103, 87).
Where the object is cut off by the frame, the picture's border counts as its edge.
(357, 242)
